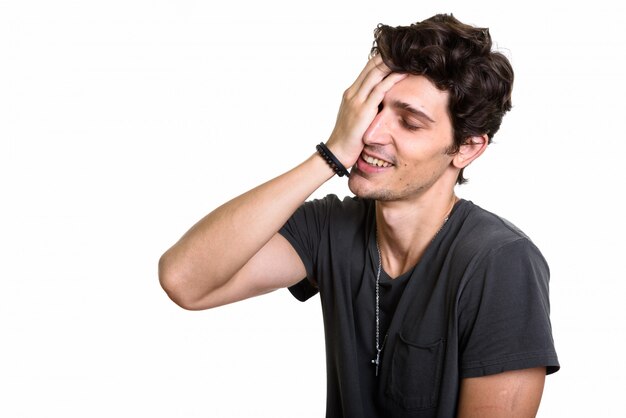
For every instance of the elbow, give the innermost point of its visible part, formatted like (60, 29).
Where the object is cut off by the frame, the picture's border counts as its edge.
(175, 284)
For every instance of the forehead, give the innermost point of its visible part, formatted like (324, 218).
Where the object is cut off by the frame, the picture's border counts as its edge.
(421, 94)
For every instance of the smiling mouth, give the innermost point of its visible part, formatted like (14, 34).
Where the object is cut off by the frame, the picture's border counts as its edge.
(375, 161)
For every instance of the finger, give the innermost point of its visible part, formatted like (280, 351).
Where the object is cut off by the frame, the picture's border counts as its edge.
(372, 64)
(375, 76)
(377, 94)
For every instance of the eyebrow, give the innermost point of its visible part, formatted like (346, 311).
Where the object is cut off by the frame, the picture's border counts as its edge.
(408, 108)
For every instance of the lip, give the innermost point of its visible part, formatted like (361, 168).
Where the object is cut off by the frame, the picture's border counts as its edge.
(364, 167)
(369, 154)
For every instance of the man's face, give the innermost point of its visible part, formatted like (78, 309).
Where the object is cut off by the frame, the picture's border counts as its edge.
(406, 146)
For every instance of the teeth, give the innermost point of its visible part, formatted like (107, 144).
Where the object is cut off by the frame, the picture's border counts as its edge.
(376, 161)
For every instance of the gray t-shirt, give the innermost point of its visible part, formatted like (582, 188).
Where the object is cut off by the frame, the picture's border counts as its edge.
(476, 304)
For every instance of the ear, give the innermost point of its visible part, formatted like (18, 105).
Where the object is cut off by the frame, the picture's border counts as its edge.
(471, 149)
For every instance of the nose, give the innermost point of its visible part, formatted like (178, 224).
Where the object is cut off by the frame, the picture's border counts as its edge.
(378, 131)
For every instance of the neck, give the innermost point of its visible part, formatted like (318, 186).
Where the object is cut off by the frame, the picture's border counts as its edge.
(406, 228)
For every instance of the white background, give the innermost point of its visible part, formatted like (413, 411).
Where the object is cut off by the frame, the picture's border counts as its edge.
(123, 122)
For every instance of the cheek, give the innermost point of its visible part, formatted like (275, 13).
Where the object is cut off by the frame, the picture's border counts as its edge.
(423, 156)
(426, 167)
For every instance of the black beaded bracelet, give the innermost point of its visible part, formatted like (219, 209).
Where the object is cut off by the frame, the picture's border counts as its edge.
(332, 161)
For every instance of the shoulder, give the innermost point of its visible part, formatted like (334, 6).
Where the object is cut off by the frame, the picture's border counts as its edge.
(348, 203)
(331, 206)
(483, 238)
(479, 224)
(481, 231)
(330, 213)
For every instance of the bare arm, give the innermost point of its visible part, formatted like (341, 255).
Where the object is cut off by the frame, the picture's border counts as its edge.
(513, 394)
(196, 271)
(235, 252)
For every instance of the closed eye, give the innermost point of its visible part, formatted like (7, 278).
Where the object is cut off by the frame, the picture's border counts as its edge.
(408, 126)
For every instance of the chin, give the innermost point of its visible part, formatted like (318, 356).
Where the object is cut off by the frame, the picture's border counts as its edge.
(356, 186)
(362, 189)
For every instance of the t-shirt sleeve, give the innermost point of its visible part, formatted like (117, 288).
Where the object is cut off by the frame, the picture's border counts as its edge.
(504, 313)
(303, 231)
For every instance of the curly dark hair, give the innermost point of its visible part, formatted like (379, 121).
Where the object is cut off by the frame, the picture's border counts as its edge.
(457, 58)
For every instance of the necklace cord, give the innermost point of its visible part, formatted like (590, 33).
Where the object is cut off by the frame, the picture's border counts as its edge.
(379, 348)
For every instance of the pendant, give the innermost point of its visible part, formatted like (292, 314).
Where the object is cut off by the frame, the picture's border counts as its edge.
(376, 361)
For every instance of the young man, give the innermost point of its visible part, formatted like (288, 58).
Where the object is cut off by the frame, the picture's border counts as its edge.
(433, 307)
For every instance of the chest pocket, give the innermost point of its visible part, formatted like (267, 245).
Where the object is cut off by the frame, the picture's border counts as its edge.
(415, 376)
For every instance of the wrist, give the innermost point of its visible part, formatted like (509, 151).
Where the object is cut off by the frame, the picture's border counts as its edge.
(332, 160)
